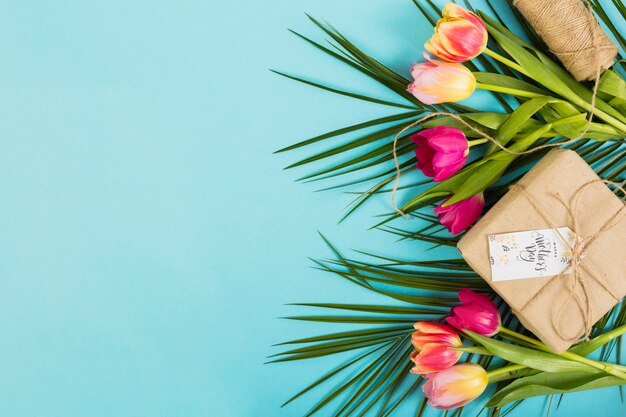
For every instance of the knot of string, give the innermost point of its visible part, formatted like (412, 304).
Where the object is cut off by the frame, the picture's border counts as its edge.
(578, 249)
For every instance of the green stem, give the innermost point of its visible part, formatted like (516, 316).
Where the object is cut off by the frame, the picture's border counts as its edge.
(506, 61)
(476, 142)
(506, 90)
(578, 101)
(506, 372)
(581, 117)
(603, 366)
(611, 334)
(575, 99)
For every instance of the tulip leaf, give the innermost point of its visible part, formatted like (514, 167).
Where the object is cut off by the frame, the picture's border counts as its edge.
(508, 82)
(542, 361)
(579, 88)
(586, 348)
(478, 176)
(442, 189)
(482, 178)
(544, 70)
(562, 109)
(532, 65)
(573, 129)
(517, 119)
(376, 375)
(487, 122)
(493, 168)
(486, 119)
(549, 383)
(612, 85)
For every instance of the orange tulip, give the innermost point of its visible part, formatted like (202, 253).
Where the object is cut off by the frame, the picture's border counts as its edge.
(459, 36)
(441, 82)
(432, 342)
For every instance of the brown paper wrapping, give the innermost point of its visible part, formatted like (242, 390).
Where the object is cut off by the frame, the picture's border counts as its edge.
(563, 172)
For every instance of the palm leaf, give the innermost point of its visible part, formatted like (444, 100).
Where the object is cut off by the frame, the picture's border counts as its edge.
(377, 375)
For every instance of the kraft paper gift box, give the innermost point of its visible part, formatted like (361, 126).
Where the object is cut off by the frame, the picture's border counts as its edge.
(555, 307)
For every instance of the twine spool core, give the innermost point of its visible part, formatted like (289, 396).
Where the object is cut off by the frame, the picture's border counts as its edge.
(572, 33)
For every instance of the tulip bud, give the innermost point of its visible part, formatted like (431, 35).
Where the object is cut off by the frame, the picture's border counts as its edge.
(477, 313)
(441, 151)
(459, 216)
(459, 36)
(455, 386)
(441, 82)
(433, 343)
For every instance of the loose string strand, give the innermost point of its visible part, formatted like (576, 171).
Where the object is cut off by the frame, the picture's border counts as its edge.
(594, 95)
(592, 108)
(578, 250)
(482, 134)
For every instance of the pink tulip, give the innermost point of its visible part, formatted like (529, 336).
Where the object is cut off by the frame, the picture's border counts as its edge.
(459, 36)
(441, 151)
(456, 386)
(441, 82)
(477, 313)
(432, 342)
(459, 216)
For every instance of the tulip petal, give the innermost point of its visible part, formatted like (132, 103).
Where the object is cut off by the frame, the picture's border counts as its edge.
(459, 36)
(424, 154)
(459, 216)
(467, 296)
(484, 322)
(455, 386)
(441, 151)
(447, 139)
(435, 357)
(477, 313)
(439, 82)
(462, 37)
(419, 339)
(433, 327)
(455, 321)
(446, 165)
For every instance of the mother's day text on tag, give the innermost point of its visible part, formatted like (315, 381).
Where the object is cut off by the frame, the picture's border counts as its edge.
(530, 254)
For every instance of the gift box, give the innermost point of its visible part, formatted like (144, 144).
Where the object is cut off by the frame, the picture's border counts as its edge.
(553, 248)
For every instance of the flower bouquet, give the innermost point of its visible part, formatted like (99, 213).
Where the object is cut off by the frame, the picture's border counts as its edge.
(470, 157)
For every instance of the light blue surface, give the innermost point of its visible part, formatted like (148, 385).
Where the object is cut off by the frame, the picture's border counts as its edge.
(148, 238)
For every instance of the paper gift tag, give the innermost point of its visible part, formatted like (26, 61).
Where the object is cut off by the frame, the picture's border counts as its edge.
(530, 254)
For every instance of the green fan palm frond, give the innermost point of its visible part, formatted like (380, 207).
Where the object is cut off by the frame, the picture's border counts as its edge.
(385, 381)
(379, 370)
(376, 379)
(357, 152)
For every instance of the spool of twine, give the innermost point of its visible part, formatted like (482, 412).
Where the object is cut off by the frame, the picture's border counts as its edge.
(571, 31)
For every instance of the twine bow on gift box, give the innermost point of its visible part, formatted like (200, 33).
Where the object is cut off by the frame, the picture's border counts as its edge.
(578, 249)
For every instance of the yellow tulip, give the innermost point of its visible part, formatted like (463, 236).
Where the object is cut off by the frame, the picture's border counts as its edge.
(456, 386)
(441, 82)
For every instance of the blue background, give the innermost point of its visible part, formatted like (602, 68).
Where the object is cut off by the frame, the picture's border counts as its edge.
(149, 239)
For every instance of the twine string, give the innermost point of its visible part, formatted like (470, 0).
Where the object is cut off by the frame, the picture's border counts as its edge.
(591, 26)
(560, 25)
(578, 249)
